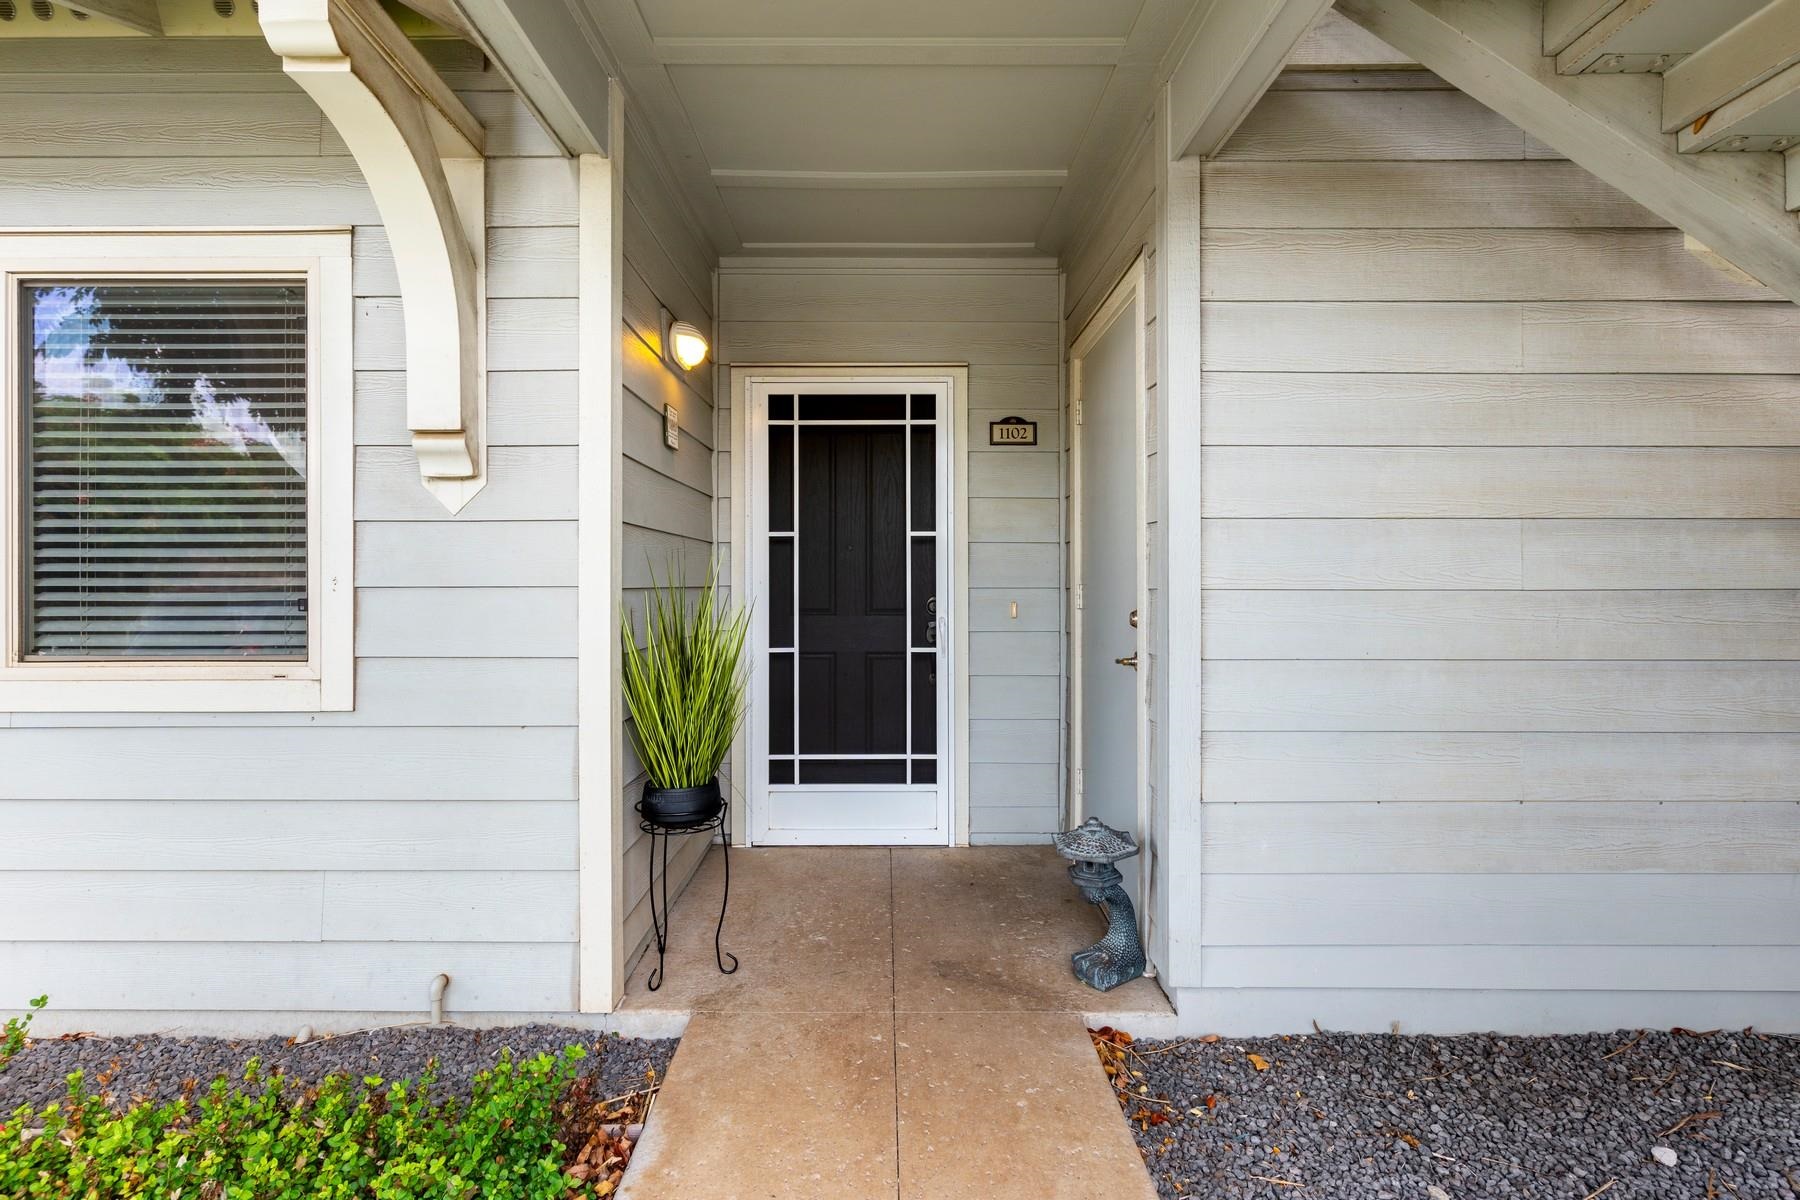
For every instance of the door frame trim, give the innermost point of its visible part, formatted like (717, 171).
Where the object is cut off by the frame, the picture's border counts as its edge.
(748, 471)
(1131, 287)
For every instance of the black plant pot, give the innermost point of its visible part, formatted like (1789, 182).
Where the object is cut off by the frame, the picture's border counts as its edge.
(682, 806)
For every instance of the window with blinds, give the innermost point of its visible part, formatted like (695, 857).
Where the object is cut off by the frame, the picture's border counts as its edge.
(164, 469)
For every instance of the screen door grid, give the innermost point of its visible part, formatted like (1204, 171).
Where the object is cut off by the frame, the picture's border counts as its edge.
(853, 630)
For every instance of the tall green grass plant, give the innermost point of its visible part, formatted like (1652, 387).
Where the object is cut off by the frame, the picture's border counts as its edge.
(686, 687)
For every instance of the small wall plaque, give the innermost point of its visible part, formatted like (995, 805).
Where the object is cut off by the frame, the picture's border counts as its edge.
(1012, 431)
(672, 426)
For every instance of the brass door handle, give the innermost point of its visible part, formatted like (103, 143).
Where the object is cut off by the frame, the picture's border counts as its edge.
(1130, 660)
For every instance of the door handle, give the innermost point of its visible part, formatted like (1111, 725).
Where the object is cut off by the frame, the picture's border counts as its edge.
(1130, 660)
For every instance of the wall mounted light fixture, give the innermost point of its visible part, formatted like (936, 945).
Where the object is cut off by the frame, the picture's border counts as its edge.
(687, 344)
(683, 343)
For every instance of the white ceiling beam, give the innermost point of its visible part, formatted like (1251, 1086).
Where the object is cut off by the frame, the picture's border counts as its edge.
(897, 249)
(1238, 48)
(840, 264)
(141, 15)
(734, 177)
(889, 52)
(1493, 51)
(1762, 46)
(421, 153)
(550, 53)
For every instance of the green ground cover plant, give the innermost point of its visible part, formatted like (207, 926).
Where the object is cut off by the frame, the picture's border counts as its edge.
(529, 1130)
(13, 1033)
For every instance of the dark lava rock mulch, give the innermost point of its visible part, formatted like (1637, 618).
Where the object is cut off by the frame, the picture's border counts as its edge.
(156, 1067)
(1358, 1117)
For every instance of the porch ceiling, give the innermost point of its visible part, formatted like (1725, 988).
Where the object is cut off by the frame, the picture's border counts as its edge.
(867, 127)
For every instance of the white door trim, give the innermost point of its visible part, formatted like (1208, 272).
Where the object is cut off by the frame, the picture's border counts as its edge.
(1117, 303)
(748, 423)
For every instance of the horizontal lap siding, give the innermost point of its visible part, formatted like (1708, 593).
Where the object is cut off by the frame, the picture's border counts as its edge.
(335, 861)
(1503, 678)
(668, 495)
(1005, 325)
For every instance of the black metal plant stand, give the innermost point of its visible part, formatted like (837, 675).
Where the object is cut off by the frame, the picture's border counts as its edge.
(660, 921)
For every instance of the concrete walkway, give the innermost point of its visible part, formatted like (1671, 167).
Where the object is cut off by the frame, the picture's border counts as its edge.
(904, 1025)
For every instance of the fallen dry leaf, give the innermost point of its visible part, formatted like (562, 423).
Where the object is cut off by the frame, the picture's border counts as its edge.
(1258, 1061)
(1689, 1120)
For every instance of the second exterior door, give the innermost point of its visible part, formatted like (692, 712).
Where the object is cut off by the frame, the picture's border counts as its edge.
(1108, 751)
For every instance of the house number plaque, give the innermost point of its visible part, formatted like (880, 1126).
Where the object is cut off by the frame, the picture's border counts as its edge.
(1012, 431)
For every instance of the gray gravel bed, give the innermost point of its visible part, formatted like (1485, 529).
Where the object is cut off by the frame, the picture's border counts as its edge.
(1479, 1117)
(156, 1067)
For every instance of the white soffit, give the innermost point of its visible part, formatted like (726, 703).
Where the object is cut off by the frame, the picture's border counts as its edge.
(912, 118)
(980, 127)
(888, 19)
(907, 216)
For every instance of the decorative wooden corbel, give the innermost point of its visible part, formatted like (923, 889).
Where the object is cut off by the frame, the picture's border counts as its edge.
(420, 150)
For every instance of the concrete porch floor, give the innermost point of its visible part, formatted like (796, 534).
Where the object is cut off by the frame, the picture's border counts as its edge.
(904, 1024)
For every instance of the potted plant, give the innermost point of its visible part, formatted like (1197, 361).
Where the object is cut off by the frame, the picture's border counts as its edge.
(685, 690)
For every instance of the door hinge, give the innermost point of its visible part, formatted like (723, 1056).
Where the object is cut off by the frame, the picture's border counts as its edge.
(1078, 410)
(1078, 595)
(1080, 782)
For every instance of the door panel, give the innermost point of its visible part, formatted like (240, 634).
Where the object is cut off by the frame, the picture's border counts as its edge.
(852, 590)
(1109, 581)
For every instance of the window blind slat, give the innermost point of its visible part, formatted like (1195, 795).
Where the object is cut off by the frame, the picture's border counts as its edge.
(166, 467)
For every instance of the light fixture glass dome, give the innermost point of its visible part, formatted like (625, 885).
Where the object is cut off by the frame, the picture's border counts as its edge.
(687, 344)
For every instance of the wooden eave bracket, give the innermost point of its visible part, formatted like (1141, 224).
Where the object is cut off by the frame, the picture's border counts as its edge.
(421, 152)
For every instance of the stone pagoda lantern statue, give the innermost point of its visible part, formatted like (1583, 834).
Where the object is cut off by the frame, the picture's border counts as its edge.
(1093, 848)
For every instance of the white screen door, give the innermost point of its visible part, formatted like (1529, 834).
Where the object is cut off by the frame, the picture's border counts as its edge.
(851, 693)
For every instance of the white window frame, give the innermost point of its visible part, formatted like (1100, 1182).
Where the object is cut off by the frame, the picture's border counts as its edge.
(325, 681)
